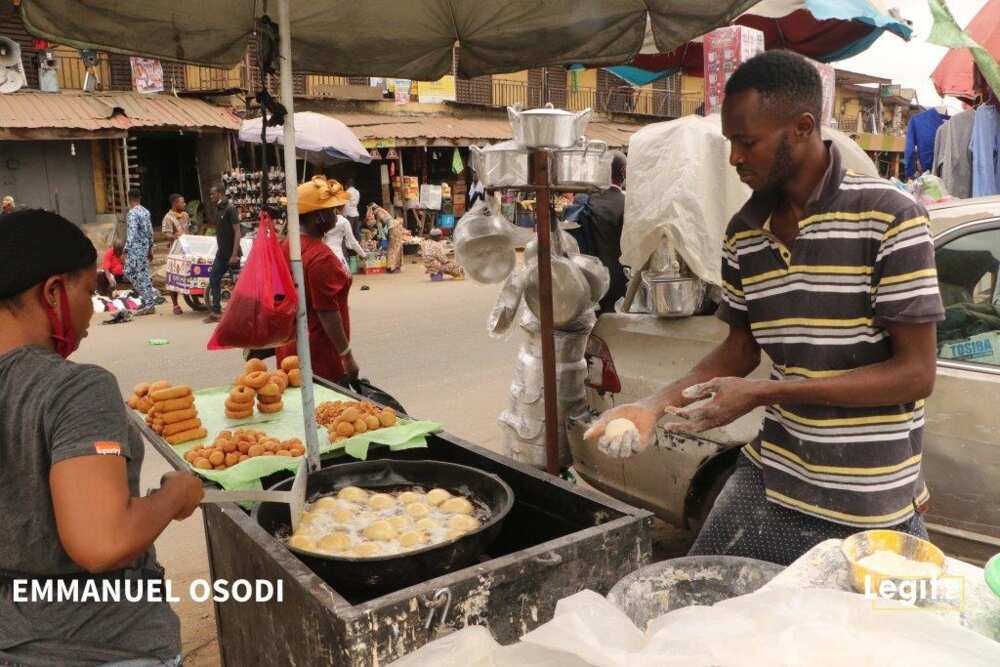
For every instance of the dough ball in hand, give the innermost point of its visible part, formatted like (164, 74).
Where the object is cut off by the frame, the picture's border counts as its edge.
(620, 438)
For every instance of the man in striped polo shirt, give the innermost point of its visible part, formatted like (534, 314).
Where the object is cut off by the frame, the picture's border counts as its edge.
(832, 275)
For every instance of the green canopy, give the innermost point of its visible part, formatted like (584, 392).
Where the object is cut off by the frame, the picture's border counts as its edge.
(410, 39)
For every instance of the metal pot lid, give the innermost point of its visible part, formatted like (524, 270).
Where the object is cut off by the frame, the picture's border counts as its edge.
(548, 110)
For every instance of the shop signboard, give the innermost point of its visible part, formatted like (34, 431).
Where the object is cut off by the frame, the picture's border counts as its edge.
(387, 142)
(147, 75)
(430, 197)
(436, 92)
(725, 50)
(401, 90)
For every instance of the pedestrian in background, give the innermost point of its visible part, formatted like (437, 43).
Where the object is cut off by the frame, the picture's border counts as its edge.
(139, 252)
(342, 237)
(436, 262)
(175, 225)
(351, 207)
(602, 221)
(227, 250)
(112, 269)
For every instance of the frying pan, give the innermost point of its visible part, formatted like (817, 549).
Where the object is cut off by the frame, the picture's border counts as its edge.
(389, 573)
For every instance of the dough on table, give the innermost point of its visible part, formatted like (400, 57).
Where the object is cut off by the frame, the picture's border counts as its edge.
(457, 506)
(463, 522)
(437, 496)
(303, 542)
(418, 510)
(335, 542)
(353, 494)
(407, 497)
(412, 538)
(381, 501)
(428, 524)
(366, 550)
(381, 531)
(400, 523)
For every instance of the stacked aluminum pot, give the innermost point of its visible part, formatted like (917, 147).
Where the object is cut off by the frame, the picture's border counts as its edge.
(523, 422)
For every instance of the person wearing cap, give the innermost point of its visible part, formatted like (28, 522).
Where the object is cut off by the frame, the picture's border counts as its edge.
(327, 284)
(436, 261)
(69, 483)
(7, 205)
(139, 252)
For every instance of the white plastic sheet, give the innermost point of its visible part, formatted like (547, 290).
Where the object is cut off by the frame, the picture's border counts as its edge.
(681, 187)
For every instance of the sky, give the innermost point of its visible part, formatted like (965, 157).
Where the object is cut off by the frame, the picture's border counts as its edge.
(911, 63)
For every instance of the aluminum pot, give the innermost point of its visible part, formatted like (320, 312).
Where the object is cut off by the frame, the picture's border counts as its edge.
(597, 275)
(508, 303)
(484, 247)
(548, 127)
(501, 165)
(587, 163)
(673, 296)
(570, 292)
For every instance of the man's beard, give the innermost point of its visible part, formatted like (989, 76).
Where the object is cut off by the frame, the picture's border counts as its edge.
(781, 169)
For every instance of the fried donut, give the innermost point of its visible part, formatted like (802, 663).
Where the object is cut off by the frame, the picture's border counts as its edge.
(180, 427)
(295, 377)
(280, 378)
(242, 394)
(269, 408)
(238, 406)
(185, 436)
(133, 401)
(180, 391)
(245, 414)
(141, 389)
(254, 365)
(270, 390)
(255, 380)
(288, 363)
(269, 400)
(175, 404)
(178, 416)
(159, 384)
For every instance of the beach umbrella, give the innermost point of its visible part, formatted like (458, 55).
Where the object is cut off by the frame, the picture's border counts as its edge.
(319, 138)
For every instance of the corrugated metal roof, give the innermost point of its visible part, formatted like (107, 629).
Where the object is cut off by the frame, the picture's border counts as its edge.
(412, 127)
(101, 111)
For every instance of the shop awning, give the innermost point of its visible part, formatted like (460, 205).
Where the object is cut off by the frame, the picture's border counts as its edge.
(398, 130)
(78, 115)
(410, 39)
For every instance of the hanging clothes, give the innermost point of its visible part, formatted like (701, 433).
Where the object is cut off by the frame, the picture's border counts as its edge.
(952, 157)
(985, 147)
(920, 134)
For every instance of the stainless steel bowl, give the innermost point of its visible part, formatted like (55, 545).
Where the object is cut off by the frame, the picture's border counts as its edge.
(484, 247)
(673, 296)
(570, 292)
(597, 275)
(587, 163)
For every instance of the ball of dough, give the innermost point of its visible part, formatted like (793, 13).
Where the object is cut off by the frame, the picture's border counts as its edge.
(400, 523)
(380, 531)
(619, 427)
(412, 538)
(428, 524)
(342, 515)
(407, 497)
(381, 501)
(437, 496)
(302, 542)
(418, 510)
(308, 518)
(457, 506)
(463, 522)
(328, 503)
(353, 494)
(366, 550)
(453, 534)
(335, 542)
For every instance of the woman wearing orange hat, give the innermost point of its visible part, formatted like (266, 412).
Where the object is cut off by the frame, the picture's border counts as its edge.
(327, 284)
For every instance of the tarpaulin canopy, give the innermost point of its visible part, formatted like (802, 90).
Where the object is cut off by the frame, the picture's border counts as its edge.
(953, 75)
(824, 30)
(411, 39)
(319, 139)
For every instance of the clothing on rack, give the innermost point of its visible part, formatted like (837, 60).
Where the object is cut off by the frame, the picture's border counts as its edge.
(920, 141)
(952, 157)
(985, 147)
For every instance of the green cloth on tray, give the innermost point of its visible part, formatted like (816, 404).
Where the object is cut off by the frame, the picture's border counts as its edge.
(406, 434)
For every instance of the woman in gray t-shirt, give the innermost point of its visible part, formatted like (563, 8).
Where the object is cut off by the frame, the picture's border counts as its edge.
(69, 470)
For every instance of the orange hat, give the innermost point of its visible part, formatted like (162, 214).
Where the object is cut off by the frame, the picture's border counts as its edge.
(319, 193)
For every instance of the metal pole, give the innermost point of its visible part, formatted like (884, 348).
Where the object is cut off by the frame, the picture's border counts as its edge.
(540, 179)
(294, 241)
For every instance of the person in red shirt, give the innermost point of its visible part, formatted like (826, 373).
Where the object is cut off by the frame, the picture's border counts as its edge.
(327, 284)
(112, 269)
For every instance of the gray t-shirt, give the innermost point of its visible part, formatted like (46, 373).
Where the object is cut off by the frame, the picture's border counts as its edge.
(52, 410)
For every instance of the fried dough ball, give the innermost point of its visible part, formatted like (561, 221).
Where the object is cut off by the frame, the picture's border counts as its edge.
(303, 542)
(366, 550)
(457, 506)
(412, 538)
(399, 523)
(353, 494)
(387, 418)
(381, 501)
(428, 524)
(418, 510)
(308, 518)
(372, 422)
(463, 522)
(351, 415)
(452, 534)
(217, 458)
(342, 515)
(335, 542)
(203, 463)
(326, 503)
(437, 496)
(381, 531)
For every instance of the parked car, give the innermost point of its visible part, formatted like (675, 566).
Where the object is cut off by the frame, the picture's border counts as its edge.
(631, 356)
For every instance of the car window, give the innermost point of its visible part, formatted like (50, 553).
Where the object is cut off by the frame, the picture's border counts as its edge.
(967, 276)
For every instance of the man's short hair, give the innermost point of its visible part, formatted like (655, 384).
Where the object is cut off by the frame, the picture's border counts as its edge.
(173, 198)
(134, 194)
(787, 83)
(618, 166)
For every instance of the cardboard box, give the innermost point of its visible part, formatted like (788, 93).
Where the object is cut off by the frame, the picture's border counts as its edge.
(725, 49)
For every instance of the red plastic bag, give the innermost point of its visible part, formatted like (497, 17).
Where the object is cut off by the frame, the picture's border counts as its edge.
(262, 309)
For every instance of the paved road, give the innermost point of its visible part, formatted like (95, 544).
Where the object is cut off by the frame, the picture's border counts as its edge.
(423, 342)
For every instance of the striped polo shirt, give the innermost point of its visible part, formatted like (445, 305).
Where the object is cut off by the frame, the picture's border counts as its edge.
(863, 260)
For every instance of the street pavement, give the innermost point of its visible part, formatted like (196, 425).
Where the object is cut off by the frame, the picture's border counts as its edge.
(424, 342)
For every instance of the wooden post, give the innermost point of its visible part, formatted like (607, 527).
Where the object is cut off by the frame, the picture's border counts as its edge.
(540, 179)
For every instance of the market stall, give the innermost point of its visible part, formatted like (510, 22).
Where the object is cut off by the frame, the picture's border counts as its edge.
(189, 264)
